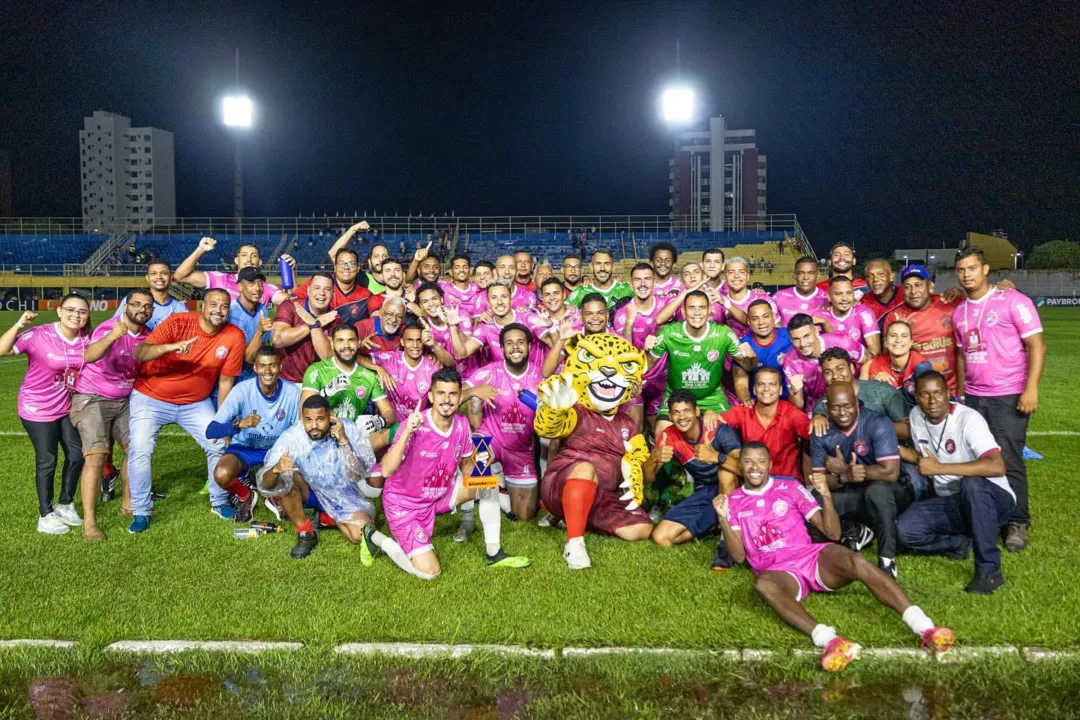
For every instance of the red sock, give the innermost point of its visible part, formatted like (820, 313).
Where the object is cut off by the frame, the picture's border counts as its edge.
(239, 489)
(577, 500)
(109, 468)
(325, 520)
(304, 527)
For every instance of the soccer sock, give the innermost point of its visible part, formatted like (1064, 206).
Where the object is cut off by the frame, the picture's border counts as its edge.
(466, 513)
(306, 526)
(490, 518)
(393, 551)
(822, 635)
(504, 497)
(239, 489)
(110, 468)
(578, 496)
(325, 520)
(917, 620)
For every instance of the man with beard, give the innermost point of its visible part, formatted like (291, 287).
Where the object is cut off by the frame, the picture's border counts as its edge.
(510, 422)
(552, 314)
(594, 319)
(769, 343)
(378, 255)
(847, 318)
(636, 321)
(523, 269)
(347, 287)
(322, 464)
(183, 359)
(603, 281)
(247, 255)
(662, 257)
(424, 471)
(884, 296)
(346, 385)
(571, 273)
(930, 318)
(405, 374)
(805, 296)
(860, 456)
(460, 291)
(393, 279)
(253, 417)
(158, 277)
(842, 262)
(300, 327)
(99, 406)
(485, 335)
(432, 321)
(383, 332)
(801, 369)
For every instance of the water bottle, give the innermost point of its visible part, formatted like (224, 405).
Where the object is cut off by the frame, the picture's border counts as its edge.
(267, 527)
(528, 397)
(287, 282)
(246, 533)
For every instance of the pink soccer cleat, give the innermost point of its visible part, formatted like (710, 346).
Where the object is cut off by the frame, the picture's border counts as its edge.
(938, 640)
(838, 654)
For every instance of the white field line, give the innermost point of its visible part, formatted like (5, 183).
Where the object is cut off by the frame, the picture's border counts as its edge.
(1043, 433)
(167, 433)
(429, 650)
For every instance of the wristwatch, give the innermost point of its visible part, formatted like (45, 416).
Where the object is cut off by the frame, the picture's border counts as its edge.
(314, 326)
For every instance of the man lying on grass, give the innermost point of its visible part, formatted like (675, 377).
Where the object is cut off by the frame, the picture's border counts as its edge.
(764, 523)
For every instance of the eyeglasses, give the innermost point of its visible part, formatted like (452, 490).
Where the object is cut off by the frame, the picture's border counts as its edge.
(348, 265)
(76, 311)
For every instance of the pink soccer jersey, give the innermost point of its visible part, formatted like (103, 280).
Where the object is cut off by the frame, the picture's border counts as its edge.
(522, 299)
(227, 282)
(43, 395)
(488, 335)
(790, 303)
(541, 324)
(455, 297)
(990, 331)
(113, 375)
(432, 460)
(668, 289)
(772, 520)
(737, 327)
(644, 324)
(814, 385)
(411, 384)
(858, 324)
(510, 423)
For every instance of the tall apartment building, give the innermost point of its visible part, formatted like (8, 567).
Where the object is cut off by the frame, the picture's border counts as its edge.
(696, 198)
(128, 176)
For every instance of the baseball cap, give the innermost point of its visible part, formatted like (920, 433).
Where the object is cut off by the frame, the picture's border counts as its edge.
(250, 274)
(915, 270)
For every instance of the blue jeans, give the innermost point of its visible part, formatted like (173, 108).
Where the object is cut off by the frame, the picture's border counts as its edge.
(942, 525)
(147, 417)
(920, 484)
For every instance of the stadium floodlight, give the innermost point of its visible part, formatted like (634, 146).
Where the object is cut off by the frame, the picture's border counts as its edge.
(237, 111)
(677, 105)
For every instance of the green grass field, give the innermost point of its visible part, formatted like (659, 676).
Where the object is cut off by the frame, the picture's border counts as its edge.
(188, 578)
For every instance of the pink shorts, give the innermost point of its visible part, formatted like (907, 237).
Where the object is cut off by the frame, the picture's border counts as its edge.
(412, 521)
(801, 563)
(518, 464)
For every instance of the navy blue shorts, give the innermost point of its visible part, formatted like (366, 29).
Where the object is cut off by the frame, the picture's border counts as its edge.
(312, 502)
(696, 512)
(249, 456)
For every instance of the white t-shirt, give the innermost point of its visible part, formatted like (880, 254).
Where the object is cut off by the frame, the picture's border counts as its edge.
(963, 436)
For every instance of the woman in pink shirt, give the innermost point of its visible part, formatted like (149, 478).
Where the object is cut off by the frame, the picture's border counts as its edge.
(55, 357)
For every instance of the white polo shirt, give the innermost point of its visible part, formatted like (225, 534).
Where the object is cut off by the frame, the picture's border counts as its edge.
(963, 436)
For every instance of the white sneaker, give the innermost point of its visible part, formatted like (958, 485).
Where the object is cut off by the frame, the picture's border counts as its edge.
(51, 525)
(545, 522)
(67, 515)
(575, 554)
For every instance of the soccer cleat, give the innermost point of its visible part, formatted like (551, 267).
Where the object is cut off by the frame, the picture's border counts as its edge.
(1015, 537)
(368, 549)
(92, 534)
(205, 489)
(274, 506)
(139, 523)
(108, 488)
(52, 525)
(67, 515)
(838, 654)
(857, 537)
(155, 495)
(464, 529)
(245, 508)
(721, 558)
(225, 511)
(305, 543)
(501, 559)
(888, 567)
(575, 554)
(938, 640)
(985, 583)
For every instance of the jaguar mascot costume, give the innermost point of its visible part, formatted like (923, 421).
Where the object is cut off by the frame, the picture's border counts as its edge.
(595, 479)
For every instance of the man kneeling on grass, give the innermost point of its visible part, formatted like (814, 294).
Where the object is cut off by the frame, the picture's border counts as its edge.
(764, 523)
(320, 464)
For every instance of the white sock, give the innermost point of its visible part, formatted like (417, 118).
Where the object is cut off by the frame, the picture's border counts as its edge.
(822, 635)
(490, 518)
(504, 497)
(917, 620)
(369, 492)
(393, 551)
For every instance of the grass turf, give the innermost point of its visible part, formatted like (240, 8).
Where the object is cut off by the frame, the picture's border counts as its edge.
(188, 578)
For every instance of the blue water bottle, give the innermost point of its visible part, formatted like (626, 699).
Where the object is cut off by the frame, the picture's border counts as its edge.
(529, 398)
(287, 282)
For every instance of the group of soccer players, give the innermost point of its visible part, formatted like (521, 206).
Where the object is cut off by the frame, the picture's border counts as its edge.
(846, 409)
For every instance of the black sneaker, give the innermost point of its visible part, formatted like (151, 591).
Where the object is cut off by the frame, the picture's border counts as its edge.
(108, 488)
(985, 583)
(889, 568)
(960, 553)
(856, 537)
(305, 543)
(244, 508)
(155, 495)
(721, 559)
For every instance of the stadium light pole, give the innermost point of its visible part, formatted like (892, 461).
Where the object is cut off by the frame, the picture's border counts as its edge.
(678, 107)
(237, 111)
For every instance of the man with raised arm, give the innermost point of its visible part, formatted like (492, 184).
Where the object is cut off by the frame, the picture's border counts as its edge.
(247, 255)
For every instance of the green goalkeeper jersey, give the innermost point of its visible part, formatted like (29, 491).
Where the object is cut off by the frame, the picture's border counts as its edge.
(348, 392)
(697, 364)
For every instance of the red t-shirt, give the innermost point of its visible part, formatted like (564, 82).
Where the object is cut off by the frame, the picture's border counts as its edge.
(186, 379)
(857, 283)
(341, 297)
(932, 335)
(878, 308)
(883, 364)
(373, 326)
(789, 424)
(296, 358)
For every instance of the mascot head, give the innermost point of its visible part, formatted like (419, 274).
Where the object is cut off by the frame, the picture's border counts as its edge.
(603, 368)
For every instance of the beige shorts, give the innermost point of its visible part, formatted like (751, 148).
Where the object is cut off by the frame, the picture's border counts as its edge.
(100, 421)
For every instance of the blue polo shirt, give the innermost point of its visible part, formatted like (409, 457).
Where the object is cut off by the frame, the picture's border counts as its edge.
(771, 355)
(872, 439)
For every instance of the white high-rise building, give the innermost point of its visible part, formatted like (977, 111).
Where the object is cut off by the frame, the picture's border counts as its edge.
(128, 178)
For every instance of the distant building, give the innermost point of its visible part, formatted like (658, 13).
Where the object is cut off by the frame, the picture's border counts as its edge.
(696, 195)
(128, 177)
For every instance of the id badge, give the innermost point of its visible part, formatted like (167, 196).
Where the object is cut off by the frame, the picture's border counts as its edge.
(71, 376)
(974, 338)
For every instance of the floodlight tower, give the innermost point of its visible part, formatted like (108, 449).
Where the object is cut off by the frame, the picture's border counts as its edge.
(237, 111)
(678, 109)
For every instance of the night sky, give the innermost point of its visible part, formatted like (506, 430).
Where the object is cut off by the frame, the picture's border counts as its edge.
(884, 124)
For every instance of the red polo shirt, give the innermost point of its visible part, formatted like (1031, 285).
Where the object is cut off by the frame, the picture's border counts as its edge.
(780, 437)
